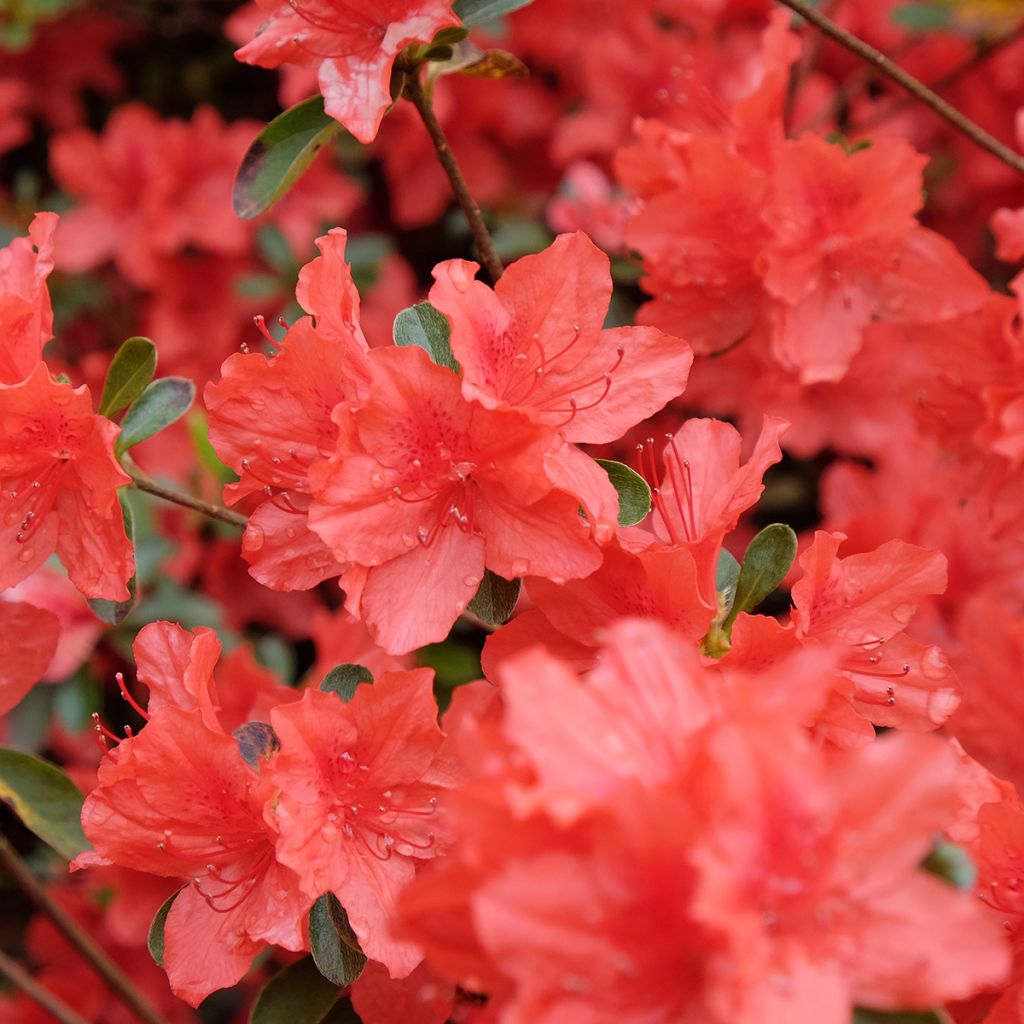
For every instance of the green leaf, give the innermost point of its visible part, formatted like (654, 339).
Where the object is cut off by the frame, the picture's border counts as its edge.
(473, 12)
(423, 326)
(765, 564)
(115, 612)
(343, 680)
(155, 940)
(279, 156)
(727, 572)
(131, 369)
(46, 800)
(634, 494)
(76, 699)
(299, 994)
(163, 402)
(334, 945)
(256, 741)
(862, 1016)
(951, 863)
(496, 599)
(921, 17)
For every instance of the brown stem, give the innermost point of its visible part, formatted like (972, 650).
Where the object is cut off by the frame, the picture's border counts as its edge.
(481, 236)
(150, 486)
(77, 937)
(915, 87)
(985, 51)
(20, 978)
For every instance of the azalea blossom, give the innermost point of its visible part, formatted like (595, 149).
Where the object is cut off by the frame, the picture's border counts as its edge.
(352, 46)
(26, 315)
(28, 639)
(427, 489)
(270, 419)
(678, 826)
(537, 343)
(59, 485)
(359, 785)
(181, 800)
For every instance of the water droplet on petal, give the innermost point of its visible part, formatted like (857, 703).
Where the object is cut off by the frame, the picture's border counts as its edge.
(328, 833)
(26, 554)
(254, 537)
(408, 540)
(520, 567)
(471, 581)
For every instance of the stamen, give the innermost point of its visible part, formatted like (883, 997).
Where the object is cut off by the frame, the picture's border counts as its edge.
(261, 325)
(132, 703)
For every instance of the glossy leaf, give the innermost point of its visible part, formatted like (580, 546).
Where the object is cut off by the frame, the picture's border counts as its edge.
(343, 680)
(952, 864)
(155, 940)
(299, 994)
(631, 487)
(130, 372)
(765, 564)
(727, 572)
(279, 156)
(115, 612)
(425, 327)
(256, 741)
(163, 402)
(334, 945)
(45, 799)
(473, 12)
(496, 599)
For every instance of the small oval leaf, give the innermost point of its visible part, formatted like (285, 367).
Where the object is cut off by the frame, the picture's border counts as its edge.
(473, 12)
(115, 612)
(46, 800)
(155, 940)
(256, 741)
(163, 402)
(634, 494)
(343, 680)
(299, 994)
(279, 156)
(727, 572)
(130, 371)
(496, 599)
(765, 564)
(425, 327)
(951, 863)
(334, 945)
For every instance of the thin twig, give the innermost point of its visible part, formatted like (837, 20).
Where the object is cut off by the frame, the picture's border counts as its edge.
(150, 486)
(984, 52)
(915, 87)
(20, 978)
(79, 939)
(481, 236)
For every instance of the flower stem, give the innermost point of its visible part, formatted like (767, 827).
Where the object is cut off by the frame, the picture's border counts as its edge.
(150, 486)
(77, 937)
(914, 86)
(481, 236)
(20, 978)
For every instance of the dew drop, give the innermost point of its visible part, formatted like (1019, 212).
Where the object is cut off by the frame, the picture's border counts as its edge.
(328, 833)
(26, 555)
(254, 537)
(471, 581)
(520, 567)
(408, 540)
(376, 479)
(460, 607)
